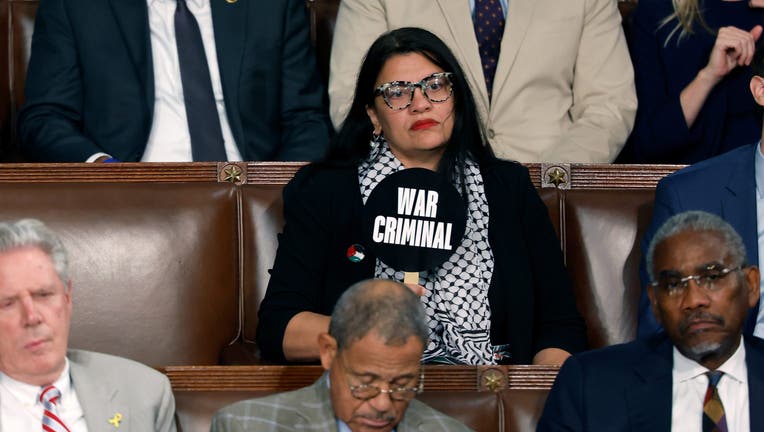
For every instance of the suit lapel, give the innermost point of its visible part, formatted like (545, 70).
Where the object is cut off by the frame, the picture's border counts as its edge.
(739, 204)
(754, 359)
(98, 402)
(462, 31)
(132, 17)
(229, 22)
(519, 18)
(738, 207)
(649, 399)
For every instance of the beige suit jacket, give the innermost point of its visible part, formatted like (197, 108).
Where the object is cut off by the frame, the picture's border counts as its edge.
(564, 85)
(109, 386)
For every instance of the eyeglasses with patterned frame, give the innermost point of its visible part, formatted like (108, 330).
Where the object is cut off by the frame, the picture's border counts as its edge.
(674, 284)
(365, 392)
(398, 95)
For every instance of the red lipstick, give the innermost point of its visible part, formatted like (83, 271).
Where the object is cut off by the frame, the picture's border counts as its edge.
(423, 124)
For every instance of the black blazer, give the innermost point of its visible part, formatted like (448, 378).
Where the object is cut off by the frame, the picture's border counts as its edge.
(90, 83)
(531, 300)
(628, 387)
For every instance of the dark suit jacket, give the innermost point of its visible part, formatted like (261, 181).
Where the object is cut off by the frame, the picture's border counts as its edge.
(628, 388)
(729, 117)
(90, 83)
(530, 296)
(725, 186)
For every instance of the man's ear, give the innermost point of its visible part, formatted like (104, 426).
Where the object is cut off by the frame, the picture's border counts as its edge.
(752, 283)
(68, 291)
(757, 89)
(327, 349)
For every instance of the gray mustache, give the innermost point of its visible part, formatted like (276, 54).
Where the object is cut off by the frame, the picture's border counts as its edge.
(699, 316)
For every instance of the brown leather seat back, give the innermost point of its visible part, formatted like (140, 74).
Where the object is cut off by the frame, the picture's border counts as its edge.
(603, 231)
(153, 266)
(522, 408)
(262, 220)
(481, 411)
(15, 48)
(551, 199)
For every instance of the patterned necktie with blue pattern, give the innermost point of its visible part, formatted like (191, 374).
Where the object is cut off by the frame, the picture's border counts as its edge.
(489, 28)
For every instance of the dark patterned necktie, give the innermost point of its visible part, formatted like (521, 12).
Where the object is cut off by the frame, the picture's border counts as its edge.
(49, 397)
(489, 28)
(201, 111)
(714, 419)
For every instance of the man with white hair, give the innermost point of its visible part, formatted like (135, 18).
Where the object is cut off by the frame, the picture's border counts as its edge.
(44, 386)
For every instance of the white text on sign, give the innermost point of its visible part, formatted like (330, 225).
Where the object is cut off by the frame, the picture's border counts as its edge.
(414, 232)
(417, 202)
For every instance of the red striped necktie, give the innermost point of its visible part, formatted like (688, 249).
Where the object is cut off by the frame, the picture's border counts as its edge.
(49, 397)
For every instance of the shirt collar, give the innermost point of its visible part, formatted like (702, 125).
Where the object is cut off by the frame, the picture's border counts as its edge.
(686, 369)
(759, 171)
(28, 393)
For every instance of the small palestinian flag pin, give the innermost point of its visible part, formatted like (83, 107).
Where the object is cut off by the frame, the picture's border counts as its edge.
(356, 253)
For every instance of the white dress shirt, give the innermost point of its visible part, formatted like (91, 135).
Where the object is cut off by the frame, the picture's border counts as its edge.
(759, 169)
(21, 409)
(689, 390)
(169, 140)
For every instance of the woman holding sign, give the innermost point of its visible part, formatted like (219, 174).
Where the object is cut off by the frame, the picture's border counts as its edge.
(501, 295)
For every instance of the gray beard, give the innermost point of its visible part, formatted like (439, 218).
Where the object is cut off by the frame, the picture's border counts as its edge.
(702, 350)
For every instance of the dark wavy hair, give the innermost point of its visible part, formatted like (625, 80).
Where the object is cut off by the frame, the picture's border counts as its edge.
(351, 144)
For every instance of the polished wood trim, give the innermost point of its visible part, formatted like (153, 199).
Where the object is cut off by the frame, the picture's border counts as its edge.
(272, 173)
(582, 176)
(283, 378)
(108, 173)
(618, 176)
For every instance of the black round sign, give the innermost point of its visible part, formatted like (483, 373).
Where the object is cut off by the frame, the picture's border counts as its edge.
(414, 220)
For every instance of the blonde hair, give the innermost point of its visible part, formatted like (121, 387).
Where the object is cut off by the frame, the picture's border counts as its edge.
(686, 13)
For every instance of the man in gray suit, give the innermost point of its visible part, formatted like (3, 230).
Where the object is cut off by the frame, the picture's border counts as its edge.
(376, 337)
(42, 385)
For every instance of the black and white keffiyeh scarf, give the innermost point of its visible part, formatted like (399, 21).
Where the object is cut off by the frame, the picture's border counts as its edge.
(456, 302)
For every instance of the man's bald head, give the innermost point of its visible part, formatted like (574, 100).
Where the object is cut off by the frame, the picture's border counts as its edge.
(387, 307)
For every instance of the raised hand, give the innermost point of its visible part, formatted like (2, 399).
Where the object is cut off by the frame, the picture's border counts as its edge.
(733, 47)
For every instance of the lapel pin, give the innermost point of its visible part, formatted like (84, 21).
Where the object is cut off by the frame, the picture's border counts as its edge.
(231, 1)
(356, 253)
(115, 420)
